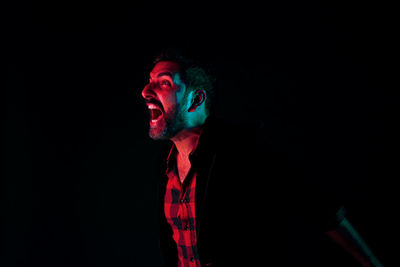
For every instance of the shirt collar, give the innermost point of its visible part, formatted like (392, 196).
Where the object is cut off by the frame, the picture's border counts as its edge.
(171, 158)
(204, 147)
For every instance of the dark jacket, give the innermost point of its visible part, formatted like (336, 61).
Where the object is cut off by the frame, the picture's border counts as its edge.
(253, 206)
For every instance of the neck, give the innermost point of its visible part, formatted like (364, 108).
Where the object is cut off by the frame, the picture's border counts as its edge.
(186, 141)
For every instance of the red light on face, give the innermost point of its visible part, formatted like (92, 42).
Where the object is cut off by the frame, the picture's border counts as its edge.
(161, 98)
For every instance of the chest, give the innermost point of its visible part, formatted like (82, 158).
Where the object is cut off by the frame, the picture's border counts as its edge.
(183, 168)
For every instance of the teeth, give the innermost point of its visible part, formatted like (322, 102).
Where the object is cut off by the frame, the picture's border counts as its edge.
(155, 112)
(152, 106)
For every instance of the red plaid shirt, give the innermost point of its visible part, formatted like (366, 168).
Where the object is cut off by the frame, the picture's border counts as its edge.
(179, 208)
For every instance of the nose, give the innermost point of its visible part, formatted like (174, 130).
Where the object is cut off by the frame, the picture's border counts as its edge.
(148, 92)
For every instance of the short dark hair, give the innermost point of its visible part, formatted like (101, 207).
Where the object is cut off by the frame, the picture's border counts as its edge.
(196, 74)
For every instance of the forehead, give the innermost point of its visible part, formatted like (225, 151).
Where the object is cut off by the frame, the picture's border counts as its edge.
(165, 67)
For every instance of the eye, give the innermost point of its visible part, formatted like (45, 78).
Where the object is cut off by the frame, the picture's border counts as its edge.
(165, 82)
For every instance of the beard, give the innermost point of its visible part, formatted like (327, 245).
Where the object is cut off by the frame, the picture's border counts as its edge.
(168, 126)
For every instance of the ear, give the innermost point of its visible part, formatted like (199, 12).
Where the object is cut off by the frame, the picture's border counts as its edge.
(199, 97)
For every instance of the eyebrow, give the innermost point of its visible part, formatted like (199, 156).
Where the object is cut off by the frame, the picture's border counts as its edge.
(167, 73)
(164, 73)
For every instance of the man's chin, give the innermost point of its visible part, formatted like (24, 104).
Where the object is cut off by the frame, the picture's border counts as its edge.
(162, 130)
(157, 136)
(158, 132)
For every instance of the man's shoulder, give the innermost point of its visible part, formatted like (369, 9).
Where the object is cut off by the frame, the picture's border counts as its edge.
(246, 147)
(239, 131)
(246, 136)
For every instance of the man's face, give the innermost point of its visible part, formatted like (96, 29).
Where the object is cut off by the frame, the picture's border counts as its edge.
(164, 96)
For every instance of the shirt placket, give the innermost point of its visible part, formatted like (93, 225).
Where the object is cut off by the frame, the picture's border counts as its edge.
(186, 227)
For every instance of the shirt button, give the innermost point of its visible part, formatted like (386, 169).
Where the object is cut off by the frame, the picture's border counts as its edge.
(186, 227)
(192, 259)
(182, 201)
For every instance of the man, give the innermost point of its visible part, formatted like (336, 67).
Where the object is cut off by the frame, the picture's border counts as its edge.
(227, 197)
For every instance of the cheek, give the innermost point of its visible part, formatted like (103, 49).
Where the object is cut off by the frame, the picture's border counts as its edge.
(181, 98)
(169, 102)
(172, 98)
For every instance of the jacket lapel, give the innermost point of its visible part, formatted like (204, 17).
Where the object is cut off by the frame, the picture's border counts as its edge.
(204, 158)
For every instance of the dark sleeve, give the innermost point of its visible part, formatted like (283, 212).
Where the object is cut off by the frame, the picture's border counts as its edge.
(312, 198)
(316, 200)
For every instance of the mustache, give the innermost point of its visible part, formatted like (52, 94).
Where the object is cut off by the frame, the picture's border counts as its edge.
(154, 102)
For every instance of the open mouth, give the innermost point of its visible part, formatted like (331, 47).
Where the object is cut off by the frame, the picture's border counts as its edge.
(155, 112)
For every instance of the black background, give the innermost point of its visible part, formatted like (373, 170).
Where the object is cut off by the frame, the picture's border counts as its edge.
(80, 184)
